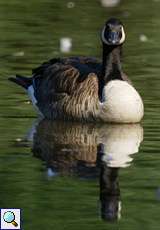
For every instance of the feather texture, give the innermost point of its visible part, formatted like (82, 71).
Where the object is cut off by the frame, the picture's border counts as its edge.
(68, 88)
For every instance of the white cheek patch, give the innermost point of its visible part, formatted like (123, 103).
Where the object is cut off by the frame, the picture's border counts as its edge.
(123, 36)
(106, 42)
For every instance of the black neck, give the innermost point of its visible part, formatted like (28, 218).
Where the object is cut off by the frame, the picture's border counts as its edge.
(111, 65)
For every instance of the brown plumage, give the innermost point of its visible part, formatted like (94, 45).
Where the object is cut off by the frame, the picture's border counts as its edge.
(65, 146)
(67, 88)
(71, 88)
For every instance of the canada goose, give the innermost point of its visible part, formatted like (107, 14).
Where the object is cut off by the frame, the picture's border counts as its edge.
(82, 88)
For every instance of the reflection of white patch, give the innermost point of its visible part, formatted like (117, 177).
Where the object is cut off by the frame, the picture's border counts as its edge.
(30, 133)
(119, 143)
(115, 160)
(31, 95)
(51, 172)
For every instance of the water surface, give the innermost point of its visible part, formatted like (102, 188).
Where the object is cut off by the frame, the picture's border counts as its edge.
(57, 185)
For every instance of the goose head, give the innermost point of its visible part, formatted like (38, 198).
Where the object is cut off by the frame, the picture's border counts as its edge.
(113, 33)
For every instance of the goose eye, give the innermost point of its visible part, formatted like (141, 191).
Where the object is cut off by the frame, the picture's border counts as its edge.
(108, 26)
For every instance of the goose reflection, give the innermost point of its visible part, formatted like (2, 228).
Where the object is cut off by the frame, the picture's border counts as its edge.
(88, 151)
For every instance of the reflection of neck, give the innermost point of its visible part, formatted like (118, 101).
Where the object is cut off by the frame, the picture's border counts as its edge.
(111, 65)
(109, 192)
(109, 180)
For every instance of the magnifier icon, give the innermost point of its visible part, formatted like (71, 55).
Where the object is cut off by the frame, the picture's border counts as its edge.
(9, 218)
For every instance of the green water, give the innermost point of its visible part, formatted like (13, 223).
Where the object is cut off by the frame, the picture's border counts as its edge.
(29, 34)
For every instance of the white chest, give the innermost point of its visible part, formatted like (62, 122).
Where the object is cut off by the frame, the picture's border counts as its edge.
(122, 103)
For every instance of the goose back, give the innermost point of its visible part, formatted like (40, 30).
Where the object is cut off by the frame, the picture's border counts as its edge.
(67, 88)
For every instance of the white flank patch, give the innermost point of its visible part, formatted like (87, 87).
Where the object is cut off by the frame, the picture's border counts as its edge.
(31, 95)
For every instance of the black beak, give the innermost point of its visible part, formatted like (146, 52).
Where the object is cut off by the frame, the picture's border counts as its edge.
(113, 37)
